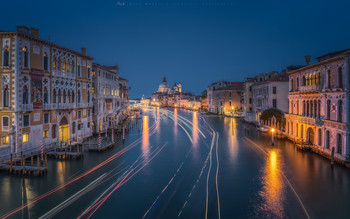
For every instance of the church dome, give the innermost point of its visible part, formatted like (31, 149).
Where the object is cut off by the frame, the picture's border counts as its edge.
(164, 86)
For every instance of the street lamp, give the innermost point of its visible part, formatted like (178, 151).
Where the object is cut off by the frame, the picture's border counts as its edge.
(272, 137)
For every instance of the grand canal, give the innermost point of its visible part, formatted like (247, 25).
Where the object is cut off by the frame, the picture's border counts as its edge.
(182, 164)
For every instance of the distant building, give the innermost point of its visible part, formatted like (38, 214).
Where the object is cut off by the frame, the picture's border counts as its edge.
(164, 87)
(271, 93)
(106, 97)
(225, 98)
(319, 112)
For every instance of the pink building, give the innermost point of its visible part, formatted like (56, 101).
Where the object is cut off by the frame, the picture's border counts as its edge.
(319, 104)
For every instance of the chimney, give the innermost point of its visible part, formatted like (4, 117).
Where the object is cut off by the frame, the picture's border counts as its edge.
(34, 32)
(83, 51)
(307, 59)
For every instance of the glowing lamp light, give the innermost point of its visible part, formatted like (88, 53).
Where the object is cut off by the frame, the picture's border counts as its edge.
(272, 130)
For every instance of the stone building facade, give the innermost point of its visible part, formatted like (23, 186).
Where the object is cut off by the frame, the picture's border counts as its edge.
(319, 104)
(225, 98)
(106, 98)
(270, 93)
(46, 91)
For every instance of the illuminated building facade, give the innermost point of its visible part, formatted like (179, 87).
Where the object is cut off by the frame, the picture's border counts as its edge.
(225, 98)
(106, 97)
(319, 104)
(46, 91)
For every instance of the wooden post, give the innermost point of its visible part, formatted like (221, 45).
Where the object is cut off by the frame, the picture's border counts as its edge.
(23, 163)
(31, 159)
(46, 161)
(332, 159)
(11, 163)
(38, 164)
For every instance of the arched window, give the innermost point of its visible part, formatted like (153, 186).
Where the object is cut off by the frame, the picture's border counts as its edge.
(68, 97)
(88, 96)
(6, 96)
(339, 144)
(46, 62)
(311, 108)
(307, 108)
(291, 125)
(328, 109)
(79, 96)
(314, 78)
(78, 69)
(54, 99)
(6, 55)
(318, 77)
(73, 67)
(25, 95)
(59, 96)
(25, 57)
(319, 137)
(304, 81)
(64, 65)
(54, 131)
(54, 63)
(88, 71)
(73, 97)
(319, 109)
(327, 139)
(64, 96)
(315, 108)
(310, 79)
(307, 80)
(59, 64)
(301, 131)
(68, 66)
(297, 107)
(340, 111)
(340, 77)
(46, 96)
(73, 127)
(297, 129)
(304, 107)
(328, 78)
(297, 79)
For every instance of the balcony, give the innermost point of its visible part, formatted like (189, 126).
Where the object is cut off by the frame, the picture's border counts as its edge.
(50, 106)
(314, 87)
(66, 105)
(27, 107)
(80, 105)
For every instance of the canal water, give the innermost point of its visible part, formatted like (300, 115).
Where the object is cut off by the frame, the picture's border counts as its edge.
(183, 164)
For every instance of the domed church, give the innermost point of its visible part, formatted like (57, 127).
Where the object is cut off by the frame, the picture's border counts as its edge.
(164, 87)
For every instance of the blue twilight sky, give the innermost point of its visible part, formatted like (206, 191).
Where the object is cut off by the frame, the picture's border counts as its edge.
(192, 42)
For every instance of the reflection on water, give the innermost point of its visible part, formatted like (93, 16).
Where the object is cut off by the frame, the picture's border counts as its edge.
(272, 193)
(61, 167)
(175, 122)
(195, 128)
(232, 138)
(145, 135)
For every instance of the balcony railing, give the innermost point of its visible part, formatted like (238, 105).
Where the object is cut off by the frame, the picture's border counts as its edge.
(314, 87)
(66, 105)
(27, 107)
(80, 105)
(49, 106)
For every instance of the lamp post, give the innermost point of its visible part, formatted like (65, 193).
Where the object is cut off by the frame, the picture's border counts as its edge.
(272, 136)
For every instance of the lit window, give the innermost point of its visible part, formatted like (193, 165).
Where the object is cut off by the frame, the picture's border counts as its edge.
(6, 57)
(46, 62)
(25, 57)
(25, 138)
(5, 139)
(45, 133)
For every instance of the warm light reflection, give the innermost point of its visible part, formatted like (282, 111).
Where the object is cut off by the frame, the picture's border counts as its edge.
(195, 128)
(61, 167)
(232, 139)
(175, 122)
(145, 136)
(273, 186)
